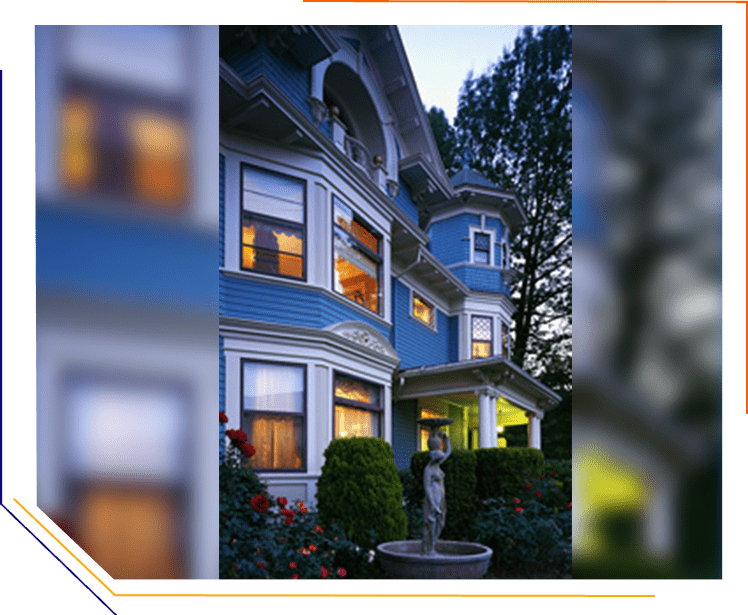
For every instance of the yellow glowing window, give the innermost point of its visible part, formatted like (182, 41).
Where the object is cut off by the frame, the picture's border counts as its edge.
(77, 159)
(273, 229)
(423, 310)
(357, 409)
(159, 169)
(482, 337)
(356, 258)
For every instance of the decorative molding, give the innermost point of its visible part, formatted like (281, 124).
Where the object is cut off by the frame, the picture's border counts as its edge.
(365, 335)
(393, 187)
(320, 112)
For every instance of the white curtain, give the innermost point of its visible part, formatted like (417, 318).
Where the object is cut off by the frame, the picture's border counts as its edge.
(274, 389)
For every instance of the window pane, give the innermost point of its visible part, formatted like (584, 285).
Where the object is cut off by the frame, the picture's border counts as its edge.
(273, 248)
(482, 328)
(423, 311)
(273, 195)
(355, 390)
(482, 242)
(481, 350)
(277, 440)
(345, 219)
(268, 386)
(350, 422)
(356, 276)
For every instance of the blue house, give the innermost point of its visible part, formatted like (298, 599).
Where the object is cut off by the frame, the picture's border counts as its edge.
(360, 287)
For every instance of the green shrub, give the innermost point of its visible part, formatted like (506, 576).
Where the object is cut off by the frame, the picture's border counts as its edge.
(560, 471)
(359, 490)
(503, 472)
(459, 484)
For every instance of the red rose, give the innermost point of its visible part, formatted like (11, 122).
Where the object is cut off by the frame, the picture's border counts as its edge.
(260, 503)
(519, 509)
(236, 435)
(553, 474)
(312, 548)
(282, 501)
(288, 521)
(542, 477)
(318, 528)
(323, 572)
(302, 508)
(341, 572)
(294, 576)
(222, 418)
(292, 565)
(538, 494)
(287, 513)
(247, 449)
(528, 486)
(261, 565)
(283, 540)
(569, 506)
(516, 500)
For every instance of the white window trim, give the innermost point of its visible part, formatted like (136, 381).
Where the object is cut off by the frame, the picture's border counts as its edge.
(491, 245)
(494, 320)
(413, 293)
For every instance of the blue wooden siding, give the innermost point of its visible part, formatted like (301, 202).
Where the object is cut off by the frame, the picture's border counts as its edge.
(404, 200)
(495, 223)
(415, 343)
(454, 338)
(450, 238)
(278, 303)
(404, 415)
(481, 278)
(293, 80)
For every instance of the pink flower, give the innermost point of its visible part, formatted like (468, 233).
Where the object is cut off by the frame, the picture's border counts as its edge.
(292, 565)
(516, 500)
(341, 572)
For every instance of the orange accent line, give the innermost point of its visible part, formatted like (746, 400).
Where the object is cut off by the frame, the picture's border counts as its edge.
(546, 1)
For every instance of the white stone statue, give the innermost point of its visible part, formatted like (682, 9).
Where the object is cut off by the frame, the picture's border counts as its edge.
(435, 502)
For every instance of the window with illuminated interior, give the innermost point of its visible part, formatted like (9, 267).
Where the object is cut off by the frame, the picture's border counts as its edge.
(357, 258)
(273, 414)
(358, 408)
(423, 310)
(482, 336)
(273, 223)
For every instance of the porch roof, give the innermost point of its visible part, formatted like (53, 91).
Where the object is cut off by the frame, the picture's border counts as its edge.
(498, 375)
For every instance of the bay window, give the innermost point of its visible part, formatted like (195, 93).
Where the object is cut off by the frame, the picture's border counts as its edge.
(273, 414)
(273, 223)
(358, 408)
(357, 260)
(482, 337)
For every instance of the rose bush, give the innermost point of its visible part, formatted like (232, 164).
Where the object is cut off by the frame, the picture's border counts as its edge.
(264, 539)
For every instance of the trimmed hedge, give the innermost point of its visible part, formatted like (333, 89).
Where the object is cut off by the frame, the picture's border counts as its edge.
(360, 491)
(560, 471)
(460, 486)
(503, 472)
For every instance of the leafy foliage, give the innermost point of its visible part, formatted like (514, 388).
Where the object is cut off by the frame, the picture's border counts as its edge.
(504, 472)
(516, 119)
(446, 139)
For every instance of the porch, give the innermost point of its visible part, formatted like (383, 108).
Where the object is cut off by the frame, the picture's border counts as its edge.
(482, 396)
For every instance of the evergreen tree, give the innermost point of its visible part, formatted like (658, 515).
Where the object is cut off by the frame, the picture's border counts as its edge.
(446, 139)
(516, 120)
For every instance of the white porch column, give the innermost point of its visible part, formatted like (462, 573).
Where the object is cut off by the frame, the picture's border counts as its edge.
(486, 418)
(533, 431)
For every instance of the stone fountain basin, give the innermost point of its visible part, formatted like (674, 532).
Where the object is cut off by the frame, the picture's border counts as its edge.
(453, 560)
